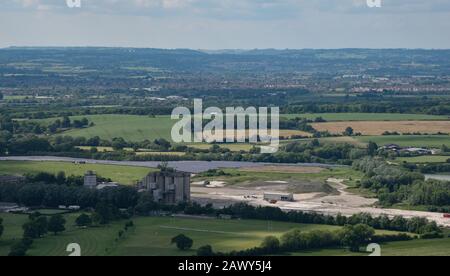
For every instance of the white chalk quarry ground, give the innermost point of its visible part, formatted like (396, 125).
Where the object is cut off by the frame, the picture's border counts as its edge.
(344, 203)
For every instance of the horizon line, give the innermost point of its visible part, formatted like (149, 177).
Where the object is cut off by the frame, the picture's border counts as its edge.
(226, 49)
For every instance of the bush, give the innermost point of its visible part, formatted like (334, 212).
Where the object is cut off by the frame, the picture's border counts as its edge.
(20, 249)
(432, 235)
(271, 245)
(183, 242)
(391, 238)
(356, 236)
(83, 220)
(205, 251)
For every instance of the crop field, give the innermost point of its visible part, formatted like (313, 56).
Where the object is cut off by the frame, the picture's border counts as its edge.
(140, 152)
(424, 159)
(330, 140)
(121, 174)
(287, 133)
(151, 237)
(408, 140)
(134, 127)
(235, 147)
(379, 127)
(12, 97)
(367, 117)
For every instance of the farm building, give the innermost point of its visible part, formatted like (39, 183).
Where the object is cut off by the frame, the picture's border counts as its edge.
(167, 186)
(278, 197)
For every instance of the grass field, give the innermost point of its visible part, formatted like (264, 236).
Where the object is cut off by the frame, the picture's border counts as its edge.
(93, 241)
(439, 247)
(424, 159)
(12, 98)
(408, 140)
(367, 116)
(379, 127)
(134, 127)
(121, 174)
(129, 127)
(139, 152)
(151, 237)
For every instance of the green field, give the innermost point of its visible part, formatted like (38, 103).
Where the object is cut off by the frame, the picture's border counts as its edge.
(139, 152)
(367, 117)
(439, 247)
(129, 127)
(12, 98)
(151, 237)
(409, 140)
(424, 159)
(94, 241)
(121, 174)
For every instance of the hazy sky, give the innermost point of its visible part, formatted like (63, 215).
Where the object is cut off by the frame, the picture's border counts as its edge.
(225, 24)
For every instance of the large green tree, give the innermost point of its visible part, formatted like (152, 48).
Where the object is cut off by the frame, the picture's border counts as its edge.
(36, 227)
(355, 236)
(183, 242)
(83, 220)
(56, 224)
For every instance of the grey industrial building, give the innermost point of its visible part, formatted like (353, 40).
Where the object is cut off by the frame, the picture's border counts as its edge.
(90, 180)
(168, 187)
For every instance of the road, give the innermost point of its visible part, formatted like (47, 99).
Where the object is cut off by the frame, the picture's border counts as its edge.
(185, 166)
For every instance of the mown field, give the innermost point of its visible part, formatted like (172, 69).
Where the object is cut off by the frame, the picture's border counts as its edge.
(367, 116)
(129, 127)
(439, 247)
(121, 174)
(151, 237)
(408, 140)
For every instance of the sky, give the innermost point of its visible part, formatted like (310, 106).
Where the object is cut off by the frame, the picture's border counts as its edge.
(227, 24)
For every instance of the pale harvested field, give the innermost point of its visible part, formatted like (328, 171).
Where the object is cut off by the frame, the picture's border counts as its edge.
(245, 133)
(379, 127)
(284, 169)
